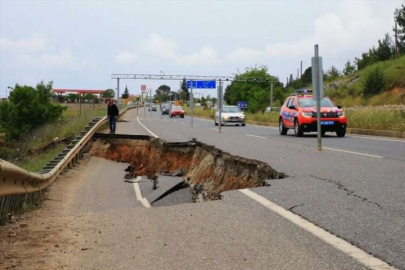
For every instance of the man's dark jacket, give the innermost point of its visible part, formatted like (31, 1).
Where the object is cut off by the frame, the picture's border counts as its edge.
(112, 110)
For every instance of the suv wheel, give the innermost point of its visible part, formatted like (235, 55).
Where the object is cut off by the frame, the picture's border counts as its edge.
(216, 122)
(297, 129)
(341, 133)
(281, 128)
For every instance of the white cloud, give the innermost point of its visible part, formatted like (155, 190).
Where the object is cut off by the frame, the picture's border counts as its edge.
(206, 56)
(244, 55)
(160, 47)
(63, 59)
(23, 45)
(351, 29)
(126, 57)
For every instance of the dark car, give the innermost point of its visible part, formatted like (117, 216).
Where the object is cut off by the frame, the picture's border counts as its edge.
(154, 108)
(165, 109)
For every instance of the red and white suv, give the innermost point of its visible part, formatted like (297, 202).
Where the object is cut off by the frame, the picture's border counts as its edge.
(299, 113)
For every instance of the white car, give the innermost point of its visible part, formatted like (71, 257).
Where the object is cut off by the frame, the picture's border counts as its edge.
(230, 115)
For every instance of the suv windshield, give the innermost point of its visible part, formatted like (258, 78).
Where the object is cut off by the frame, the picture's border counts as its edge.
(231, 109)
(309, 102)
(176, 108)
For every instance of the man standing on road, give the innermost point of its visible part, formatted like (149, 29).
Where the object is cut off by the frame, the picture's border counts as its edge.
(112, 114)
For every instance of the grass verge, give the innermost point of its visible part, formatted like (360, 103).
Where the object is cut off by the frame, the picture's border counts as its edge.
(70, 125)
(376, 118)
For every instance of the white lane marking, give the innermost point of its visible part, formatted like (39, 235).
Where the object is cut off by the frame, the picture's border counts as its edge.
(202, 119)
(257, 126)
(153, 134)
(138, 194)
(351, 152)
(215, 129)
(338, 243)
(196, 125)
(183, 123)
(379, 139)
(255, 136)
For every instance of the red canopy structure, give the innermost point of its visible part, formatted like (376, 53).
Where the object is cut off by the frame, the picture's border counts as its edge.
(77, 91)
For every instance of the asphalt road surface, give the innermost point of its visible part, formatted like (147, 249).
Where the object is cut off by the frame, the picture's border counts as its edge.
(339, 209)
(354, 188)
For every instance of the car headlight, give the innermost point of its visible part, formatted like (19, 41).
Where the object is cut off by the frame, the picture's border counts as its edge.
(340, 113)
(225, 117)
(307, 114)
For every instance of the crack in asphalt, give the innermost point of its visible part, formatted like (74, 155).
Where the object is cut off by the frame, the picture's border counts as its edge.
(294, 206)
(348, 191)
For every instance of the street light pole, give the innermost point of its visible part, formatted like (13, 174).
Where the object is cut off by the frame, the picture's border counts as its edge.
(150, 102)
(220, 105)
(191, 101)
(271, 95)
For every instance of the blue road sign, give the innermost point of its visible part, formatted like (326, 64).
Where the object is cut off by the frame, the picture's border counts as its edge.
(243, 105)
(202, 84)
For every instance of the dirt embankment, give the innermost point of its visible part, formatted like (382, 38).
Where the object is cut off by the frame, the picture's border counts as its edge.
(205, 167)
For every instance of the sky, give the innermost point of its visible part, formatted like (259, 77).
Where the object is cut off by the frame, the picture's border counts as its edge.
(79, 44)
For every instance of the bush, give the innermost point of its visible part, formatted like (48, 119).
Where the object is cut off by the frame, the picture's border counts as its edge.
(373, 82)
(28, 108)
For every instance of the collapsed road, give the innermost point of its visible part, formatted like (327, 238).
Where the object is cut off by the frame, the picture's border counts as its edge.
(93, 218)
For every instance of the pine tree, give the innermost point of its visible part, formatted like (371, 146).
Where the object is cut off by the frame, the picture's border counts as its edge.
(184, 90)
(126, 93)
(349, 68)
(400, 20)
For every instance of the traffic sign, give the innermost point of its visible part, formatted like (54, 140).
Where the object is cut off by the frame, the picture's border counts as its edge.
(143, 87)
(202, 84)
(243, 105)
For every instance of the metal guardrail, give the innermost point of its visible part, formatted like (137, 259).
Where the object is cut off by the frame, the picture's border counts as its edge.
(19, 187)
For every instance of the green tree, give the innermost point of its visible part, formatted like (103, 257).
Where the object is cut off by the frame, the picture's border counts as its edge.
(307, 76)
(256, 94)
(126, 93)
(109, 93)
(162, 93)
(184, 90)
(72, 97)
(385, 49)
(400, 20)
(28, 108)
(349, 68)
(332, 74)
(89, 98)
(373, 82)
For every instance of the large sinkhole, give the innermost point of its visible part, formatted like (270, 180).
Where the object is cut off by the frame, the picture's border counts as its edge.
(199, 170)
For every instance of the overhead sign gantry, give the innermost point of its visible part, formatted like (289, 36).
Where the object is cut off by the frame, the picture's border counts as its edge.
(205, 81)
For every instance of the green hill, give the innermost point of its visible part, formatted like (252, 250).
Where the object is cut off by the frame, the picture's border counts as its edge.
(349, 90)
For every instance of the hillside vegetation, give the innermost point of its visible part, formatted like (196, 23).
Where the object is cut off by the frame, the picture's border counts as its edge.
(350, 90)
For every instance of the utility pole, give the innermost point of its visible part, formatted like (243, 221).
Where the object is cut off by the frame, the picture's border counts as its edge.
(318, 92)
(220, 105)
(150, 102)
(271, 95)
(301, 69)
(396, 40)
(144, 103)
(191, 101)
(118, 92)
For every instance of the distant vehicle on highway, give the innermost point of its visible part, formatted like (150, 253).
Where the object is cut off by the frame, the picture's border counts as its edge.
(153, 106)
(299, 113)
(177, 111)
(165, 108)
(230, 115)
